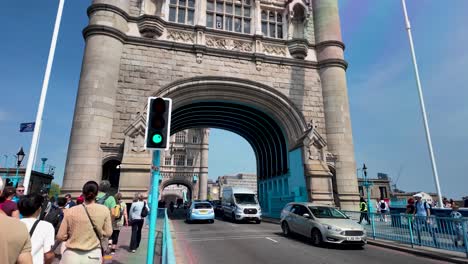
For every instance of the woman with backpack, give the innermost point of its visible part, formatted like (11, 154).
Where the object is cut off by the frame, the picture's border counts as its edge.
(138, 212)
(120, 218)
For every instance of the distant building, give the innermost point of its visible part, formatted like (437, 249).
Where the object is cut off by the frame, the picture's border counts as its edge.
(38, 181)
(213, 190)
(380, 187)
(404, 196)
(245, 180)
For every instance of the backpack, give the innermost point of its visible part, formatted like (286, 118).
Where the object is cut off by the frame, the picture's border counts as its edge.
(54, 216)
(103, 199)
(144, 211)
(383, 205)
(426, 206)
(118, 211)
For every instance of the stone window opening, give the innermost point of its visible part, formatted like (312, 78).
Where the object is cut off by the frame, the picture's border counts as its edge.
(195, 140)
(180, 137)
(272, 24)
(168, 161)
(190, 161)
(229, 15)
(179, 160)
(182, 11)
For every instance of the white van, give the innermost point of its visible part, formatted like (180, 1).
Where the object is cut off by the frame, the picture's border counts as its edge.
(241, 204)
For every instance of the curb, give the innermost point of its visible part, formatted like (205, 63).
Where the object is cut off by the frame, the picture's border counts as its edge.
(418, 252)
(413, 251)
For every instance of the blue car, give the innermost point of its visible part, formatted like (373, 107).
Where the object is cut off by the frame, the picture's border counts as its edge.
(200, 211)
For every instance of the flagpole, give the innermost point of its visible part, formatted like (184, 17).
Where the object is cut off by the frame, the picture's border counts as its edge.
(423, 108)
(40, 110)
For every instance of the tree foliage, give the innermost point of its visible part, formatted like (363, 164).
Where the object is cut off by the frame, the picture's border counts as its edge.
(54, 190)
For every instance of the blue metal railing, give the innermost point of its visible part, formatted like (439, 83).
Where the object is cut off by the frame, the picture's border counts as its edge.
(168, 255)
(438, 232)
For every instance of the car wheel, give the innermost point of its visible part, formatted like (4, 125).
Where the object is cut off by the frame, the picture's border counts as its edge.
(233, 217)
(211, 221)
(258, 221)
(285, 228)
(316, 237)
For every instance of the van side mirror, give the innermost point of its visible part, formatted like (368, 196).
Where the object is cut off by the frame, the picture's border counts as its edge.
(306, 215)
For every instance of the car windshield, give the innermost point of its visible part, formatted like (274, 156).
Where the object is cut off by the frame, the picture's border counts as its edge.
(327, 212)
(202, 206)
(245, 198)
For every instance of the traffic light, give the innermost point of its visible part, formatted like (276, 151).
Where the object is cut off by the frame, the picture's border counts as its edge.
(158, 123)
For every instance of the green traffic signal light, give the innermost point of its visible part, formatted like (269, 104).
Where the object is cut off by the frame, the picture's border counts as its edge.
(157, 138)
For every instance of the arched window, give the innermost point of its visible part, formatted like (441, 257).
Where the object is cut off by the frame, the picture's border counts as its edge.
(229, 15)
(182, 11)
(272, 24)
(298, 21)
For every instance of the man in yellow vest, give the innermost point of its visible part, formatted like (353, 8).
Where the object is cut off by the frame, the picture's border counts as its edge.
(363, 209)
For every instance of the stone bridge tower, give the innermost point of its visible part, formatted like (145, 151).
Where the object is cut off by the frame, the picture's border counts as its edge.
(270, 71)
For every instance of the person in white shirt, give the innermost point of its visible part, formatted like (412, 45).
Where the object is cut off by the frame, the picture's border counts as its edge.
(42, 233)
(383, 209)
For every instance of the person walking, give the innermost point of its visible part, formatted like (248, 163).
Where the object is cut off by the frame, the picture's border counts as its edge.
(83, 228)
(383, 208)
(138, 211)
(13, 249)
(364, 212)
(422, 218)
(70, 203)
(120, 219)
(42, 233)
(19, 193)
(6, 204)
(457, 226)
(171, 206)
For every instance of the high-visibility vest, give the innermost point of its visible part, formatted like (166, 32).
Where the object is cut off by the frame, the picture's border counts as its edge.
(365, 207)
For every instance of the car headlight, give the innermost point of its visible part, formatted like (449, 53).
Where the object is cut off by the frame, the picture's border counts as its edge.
(238, 210)
(333, 228)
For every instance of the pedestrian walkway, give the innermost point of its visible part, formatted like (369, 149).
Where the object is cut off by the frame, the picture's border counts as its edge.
(123, 254)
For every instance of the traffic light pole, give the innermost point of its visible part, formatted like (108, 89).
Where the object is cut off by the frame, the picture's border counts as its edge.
(154, 204)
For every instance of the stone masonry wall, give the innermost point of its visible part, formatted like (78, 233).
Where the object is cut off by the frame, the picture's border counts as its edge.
(144, 70)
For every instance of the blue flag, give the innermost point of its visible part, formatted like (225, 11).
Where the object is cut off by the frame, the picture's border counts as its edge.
(27, 127)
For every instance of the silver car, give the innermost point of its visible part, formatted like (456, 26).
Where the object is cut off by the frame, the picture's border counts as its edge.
(321, 223)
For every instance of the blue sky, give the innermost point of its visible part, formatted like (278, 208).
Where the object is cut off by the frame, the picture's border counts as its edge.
(387, 123)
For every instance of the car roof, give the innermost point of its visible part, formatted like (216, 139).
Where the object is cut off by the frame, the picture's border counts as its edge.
(310, 204)
(201, 202)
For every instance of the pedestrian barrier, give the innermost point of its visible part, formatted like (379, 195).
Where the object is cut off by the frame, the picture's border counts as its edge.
(168, 256)
(438, 232)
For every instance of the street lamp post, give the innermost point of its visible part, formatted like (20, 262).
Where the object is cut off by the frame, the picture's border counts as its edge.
(368, 184)
(44, 160)
(19, 158)
(6, 166)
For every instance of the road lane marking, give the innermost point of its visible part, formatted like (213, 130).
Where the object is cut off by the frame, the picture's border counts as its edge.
(271, 239)
(198, 239)
(227, 231)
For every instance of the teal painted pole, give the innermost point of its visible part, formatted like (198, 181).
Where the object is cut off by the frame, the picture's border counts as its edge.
(154, 210)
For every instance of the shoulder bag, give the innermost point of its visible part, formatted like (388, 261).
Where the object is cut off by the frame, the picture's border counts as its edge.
(95, 230)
